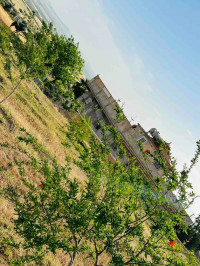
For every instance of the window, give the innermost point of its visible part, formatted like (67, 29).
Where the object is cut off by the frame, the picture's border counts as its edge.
(88, 100)
(97, 107)
(113, 146)
(142, 140)
(97, 126)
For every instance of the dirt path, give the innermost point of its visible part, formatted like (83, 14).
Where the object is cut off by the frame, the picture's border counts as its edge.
(19, 4)
(5, 19)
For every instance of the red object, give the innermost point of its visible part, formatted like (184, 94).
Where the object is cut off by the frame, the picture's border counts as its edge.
(171, 243)
(146, 150)
(41, 185)
(82, 143)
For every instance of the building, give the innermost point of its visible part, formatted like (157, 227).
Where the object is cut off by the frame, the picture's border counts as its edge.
(101, 106)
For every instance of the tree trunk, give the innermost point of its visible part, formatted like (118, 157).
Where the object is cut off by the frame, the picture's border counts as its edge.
(73, 256)
(9, 95)
(96, 260)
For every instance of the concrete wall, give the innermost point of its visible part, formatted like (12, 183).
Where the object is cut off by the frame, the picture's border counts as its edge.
(99, 105)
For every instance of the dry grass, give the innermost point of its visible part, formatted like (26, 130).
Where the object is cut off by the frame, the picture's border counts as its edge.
(31, 109)
(5, 19)
(20, 4)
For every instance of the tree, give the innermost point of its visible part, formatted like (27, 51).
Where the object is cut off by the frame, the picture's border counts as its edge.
(5, 44)
(68, 64)
(45, 53)
(29, 57)
(106, 215)
(125, 202)
(49, 215)
(194, 235)
(191, 238)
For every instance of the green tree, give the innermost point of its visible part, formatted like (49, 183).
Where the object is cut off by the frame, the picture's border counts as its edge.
(5, 44)
(44, 53)
(106, 215)
(125, 201)
(120, 116)
(191, 238)
(68, 64)
(29, 57)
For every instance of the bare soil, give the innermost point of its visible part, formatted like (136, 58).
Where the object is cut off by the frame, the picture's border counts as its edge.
(5, 19)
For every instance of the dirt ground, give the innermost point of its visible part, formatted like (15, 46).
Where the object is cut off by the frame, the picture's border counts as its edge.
(19, 4)
(4, 17)
(6, 20)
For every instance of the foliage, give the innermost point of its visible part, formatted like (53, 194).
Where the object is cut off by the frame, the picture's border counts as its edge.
(44, 54)
(172, 179)
(106, 215)
(194, 236)
(191, 238)
(32, 56)
(68, 64)
(4, 39)
(80, 87)
(119, 112)
(109, 212)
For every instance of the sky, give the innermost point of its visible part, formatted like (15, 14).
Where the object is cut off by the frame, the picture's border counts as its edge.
(147, 54)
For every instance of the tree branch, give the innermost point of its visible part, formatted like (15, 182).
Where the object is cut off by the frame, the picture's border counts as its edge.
(9, 95)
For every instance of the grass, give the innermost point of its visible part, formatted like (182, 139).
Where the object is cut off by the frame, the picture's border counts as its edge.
(31, 109)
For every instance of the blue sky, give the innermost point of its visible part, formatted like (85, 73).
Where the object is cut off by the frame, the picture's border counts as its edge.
(165, 34)
(147, 54)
